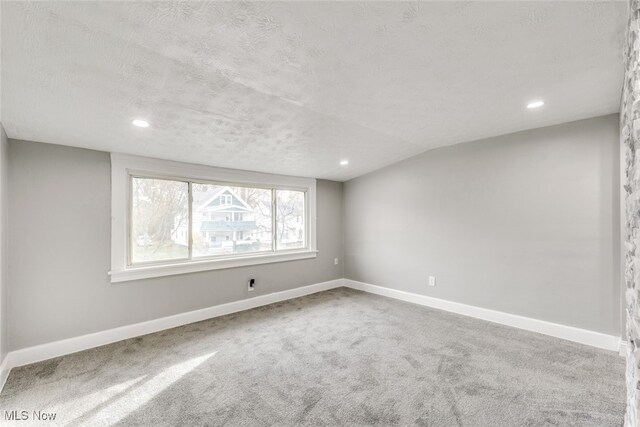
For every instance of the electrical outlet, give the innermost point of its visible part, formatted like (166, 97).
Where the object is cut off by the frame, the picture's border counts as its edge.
(432, 280)
(335, 261)
(251, 285)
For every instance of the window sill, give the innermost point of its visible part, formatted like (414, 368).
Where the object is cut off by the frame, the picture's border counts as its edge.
(147, 272)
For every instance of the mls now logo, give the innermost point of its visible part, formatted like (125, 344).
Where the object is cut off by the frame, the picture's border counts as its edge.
(25, 415)
(16, 415)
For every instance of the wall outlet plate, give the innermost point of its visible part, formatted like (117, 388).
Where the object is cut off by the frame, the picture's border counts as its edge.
(432, 280)
(335, 261)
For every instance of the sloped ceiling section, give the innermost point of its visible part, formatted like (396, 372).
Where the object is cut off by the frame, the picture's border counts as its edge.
(293, 88)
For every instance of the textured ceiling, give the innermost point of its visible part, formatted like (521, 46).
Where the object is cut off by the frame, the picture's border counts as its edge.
(293, 88)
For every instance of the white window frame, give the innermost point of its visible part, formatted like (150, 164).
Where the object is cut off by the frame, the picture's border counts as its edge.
(123, 167)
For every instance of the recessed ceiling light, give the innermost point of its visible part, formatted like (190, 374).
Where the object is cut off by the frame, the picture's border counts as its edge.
(344, 162)
(140, 123)
(535, 104)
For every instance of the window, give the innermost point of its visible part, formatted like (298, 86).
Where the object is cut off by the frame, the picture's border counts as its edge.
(174, 218)
(290, 219)
(159, 213)
(246, 210)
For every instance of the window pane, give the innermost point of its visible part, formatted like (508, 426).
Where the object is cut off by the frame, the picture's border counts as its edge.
(290, 220)
(230, 220)
(159, 220)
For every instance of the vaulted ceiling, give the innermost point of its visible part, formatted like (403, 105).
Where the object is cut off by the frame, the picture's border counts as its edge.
(293, 88)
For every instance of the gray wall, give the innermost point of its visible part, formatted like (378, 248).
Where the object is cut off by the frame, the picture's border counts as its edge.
(4, 208)
(526, 223)
(60, 253)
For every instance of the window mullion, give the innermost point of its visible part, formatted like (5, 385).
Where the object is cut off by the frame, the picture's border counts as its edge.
(273, 220)
(190, 221)
(129, 249)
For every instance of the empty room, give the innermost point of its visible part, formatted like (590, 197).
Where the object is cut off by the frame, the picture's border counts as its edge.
(367, 213)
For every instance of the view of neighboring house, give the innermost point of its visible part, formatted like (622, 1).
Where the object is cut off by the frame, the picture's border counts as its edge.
(224, 223)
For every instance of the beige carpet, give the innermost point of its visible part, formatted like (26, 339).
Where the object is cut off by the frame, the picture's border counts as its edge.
(340, 357)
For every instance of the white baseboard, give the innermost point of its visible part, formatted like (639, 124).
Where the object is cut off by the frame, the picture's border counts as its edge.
(71, 345)
(622, 351)
(4, 371)
(570, 333)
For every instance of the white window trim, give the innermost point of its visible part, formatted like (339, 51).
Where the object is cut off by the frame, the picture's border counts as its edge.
(123, 166)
